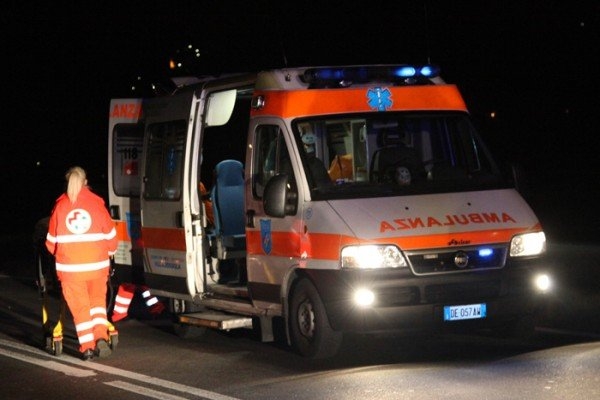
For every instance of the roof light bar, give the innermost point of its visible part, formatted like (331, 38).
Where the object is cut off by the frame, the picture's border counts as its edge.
(429, 70)
(405, 72)
(343, 76)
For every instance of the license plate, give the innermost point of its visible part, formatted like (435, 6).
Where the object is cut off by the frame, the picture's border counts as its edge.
(468, 311)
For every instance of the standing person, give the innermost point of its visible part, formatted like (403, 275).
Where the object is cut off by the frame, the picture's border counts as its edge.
(82, 237)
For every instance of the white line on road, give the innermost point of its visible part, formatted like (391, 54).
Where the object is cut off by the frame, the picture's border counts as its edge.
(155, 394)
(56, 366)
(117, 371)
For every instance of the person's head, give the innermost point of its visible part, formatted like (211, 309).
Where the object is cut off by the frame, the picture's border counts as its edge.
(76, 179)
(403, 176)
(308, 140)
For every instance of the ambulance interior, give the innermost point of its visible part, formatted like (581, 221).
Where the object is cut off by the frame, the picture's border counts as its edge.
(370, 154)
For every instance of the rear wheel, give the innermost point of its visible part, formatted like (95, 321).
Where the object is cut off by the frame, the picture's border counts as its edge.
(311, 334)
(184, 331)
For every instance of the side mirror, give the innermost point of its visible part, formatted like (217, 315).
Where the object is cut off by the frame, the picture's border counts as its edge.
(278, 198)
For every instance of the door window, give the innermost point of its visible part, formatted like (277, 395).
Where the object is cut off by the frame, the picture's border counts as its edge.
(271, 157)
(163, 175)
(126, 157)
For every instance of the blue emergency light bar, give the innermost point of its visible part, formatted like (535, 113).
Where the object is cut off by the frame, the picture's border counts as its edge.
(346, 76)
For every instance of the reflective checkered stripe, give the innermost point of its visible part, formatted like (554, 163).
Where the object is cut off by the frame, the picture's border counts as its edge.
(87, 267)
(152, 302)
(98, 315)
(123, 301)
(85, 334)
(149, 299)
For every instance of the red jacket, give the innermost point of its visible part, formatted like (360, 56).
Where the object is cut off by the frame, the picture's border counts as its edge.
(82, 237)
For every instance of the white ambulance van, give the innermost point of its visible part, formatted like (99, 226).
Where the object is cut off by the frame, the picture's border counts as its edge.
(341, 199)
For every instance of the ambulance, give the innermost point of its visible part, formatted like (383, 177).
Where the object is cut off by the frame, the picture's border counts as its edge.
(339, 200)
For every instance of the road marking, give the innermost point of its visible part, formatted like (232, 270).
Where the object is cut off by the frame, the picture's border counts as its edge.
(56, 366)
(90, 365)
(155, 394)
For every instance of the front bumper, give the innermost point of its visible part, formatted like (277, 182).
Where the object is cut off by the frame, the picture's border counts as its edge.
(405, 302)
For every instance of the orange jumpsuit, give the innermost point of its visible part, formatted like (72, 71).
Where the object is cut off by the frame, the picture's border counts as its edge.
(205, 197)
(82, 237)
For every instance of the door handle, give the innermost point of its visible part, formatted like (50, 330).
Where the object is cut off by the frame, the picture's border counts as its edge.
(179, 219)
(250, 218)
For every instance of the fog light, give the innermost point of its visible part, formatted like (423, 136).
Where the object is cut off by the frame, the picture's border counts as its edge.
(364, 297)
(543, 282)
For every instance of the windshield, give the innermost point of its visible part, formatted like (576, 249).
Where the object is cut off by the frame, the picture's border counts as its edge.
(393, 154)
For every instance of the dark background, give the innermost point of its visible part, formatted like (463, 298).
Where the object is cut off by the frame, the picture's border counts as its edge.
(531, 63)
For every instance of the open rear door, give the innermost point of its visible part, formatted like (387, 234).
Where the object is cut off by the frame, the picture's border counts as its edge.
(176, 150)
(167, 141)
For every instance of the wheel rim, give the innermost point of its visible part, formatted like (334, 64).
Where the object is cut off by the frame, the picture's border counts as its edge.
(306, 319)
(178, 306)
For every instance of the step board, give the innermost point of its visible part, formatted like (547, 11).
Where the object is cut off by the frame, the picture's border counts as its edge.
(216, 320)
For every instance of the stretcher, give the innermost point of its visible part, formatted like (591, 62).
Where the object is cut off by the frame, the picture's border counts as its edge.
(49, 286)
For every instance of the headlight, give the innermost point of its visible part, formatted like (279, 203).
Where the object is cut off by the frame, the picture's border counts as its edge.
(372, 256)
(528, 244)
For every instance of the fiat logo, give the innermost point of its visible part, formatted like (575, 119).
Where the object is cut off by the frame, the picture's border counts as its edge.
(461, 259)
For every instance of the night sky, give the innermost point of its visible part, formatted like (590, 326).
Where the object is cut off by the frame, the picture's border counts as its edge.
(532, 65)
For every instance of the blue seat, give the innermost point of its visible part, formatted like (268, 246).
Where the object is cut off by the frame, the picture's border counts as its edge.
(227, 197)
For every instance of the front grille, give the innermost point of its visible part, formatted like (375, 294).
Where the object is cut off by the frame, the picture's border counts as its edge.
(395, 296)
(462, 292)
(439, 261)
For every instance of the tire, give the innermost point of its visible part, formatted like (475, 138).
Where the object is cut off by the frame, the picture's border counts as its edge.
(521, 328)
(187, 331)
(54, 347)
(49, 345)
(311, 334)
(114, 341)
(184, 331)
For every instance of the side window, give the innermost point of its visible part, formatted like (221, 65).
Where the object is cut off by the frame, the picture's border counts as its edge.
(163, 175)
(227, 141)
(467, 144)
(126, 155)
(270, 157)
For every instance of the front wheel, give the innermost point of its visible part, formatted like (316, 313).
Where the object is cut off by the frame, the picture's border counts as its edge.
(520, 328)
(311, 334)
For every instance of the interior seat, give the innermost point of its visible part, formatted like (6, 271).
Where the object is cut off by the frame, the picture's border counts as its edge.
(228, 206)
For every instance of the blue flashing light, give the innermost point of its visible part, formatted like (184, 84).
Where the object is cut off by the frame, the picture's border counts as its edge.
(405, 72)
(427, 70)
(366, 73)
(485, 252)
(328, 74)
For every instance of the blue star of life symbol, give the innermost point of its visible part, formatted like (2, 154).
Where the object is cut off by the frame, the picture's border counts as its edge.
(379, 99)
(265, 235)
